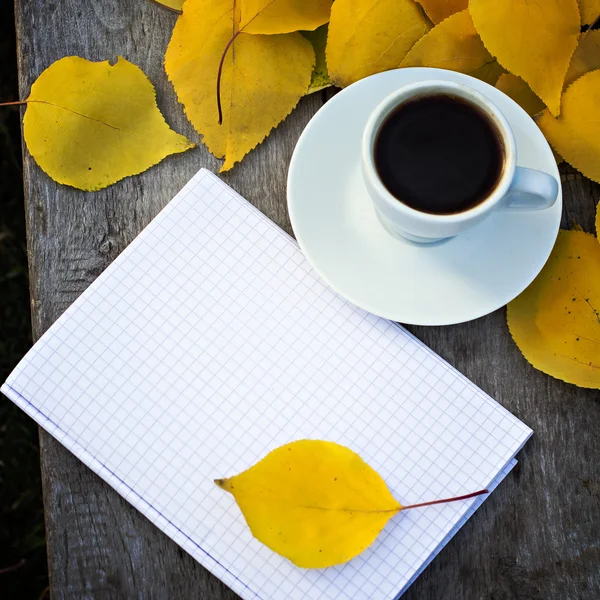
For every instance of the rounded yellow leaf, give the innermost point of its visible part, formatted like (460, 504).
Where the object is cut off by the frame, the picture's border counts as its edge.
(316, 503)
(576, 133)
(521, 93)
(370, 36)
(555, 322)
(438, 10)
(586, 57)
(455, 45)
(534, 40)
(283, 16)
(590, 11)
(263, 77)
(90, 124)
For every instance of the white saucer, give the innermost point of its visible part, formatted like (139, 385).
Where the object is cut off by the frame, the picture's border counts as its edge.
(436, 284)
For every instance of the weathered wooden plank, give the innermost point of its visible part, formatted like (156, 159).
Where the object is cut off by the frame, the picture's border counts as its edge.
(535, 538)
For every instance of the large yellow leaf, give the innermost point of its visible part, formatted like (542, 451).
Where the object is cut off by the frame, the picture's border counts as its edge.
(263, 77)
(314, 502)
(586, 57)
(370, 36)
(89, 124)
(455, 45)
(438, 10)
(555, 322)
(320, 75)
(532, 39)
(282, 16)
(590, 11)
(576, 133)
(521, 93)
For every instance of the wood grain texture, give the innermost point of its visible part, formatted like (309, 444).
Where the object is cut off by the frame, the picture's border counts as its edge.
(538, 535)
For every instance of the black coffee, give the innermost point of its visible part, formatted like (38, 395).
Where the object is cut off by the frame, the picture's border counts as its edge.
(439, 154)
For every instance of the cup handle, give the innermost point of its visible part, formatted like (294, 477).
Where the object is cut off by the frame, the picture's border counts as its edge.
(531, 190)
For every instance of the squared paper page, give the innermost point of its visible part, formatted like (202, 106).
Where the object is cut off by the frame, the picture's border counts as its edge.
(210, 341)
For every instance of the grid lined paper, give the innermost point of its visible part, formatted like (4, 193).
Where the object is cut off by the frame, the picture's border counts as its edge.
(210, 341)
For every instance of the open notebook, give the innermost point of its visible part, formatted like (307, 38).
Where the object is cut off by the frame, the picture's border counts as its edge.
(210, 341)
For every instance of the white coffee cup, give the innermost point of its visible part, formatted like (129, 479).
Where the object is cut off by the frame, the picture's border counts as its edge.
(518, 188)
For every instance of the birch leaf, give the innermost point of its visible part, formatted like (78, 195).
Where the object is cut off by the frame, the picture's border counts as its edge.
(320, 76)
(282, 16)
(455, 45)
(590, 11)
(438, 10)
(576, 133)
(534, 40)
(370, 36)
(90, 124)
(555, 322)
(586, 57)
(521, 93)
(263, 77)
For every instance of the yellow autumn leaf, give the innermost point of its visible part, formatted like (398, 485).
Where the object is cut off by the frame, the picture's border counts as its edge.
(455, 45)
(314, 502)
(586, 57)
(438, 10)
(576, 133)
(521, 93)
(320, 76)
(534, 40)
(590, 11)
(555, 322)
(90, 124)
(282, 16)
(370, 36)
(263, 77)
(174, 5)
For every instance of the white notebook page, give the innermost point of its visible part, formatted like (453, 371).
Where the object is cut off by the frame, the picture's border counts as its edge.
(210, 341)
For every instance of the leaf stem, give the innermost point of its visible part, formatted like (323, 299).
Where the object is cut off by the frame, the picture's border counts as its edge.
(220, 72)
(15, 103)
(447, 500)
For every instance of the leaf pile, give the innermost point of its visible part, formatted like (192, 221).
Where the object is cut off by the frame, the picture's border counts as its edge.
(239, 67)
(315, 502)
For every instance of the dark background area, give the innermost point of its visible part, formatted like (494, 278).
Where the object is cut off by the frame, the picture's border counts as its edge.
(23, 568)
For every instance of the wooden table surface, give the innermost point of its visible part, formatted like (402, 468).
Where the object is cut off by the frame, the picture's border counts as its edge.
(536, 538)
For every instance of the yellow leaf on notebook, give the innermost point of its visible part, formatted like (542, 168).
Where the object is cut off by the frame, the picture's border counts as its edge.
(370, 36)
(521, 93)
(590, 11)
(455, 45)
(90, 124)
(438, 10)
(263, 77)
(576, 133)
(555, 322)
(320, 76)
(316, 503)
(586, 57)
(282, 16)
(534, 40)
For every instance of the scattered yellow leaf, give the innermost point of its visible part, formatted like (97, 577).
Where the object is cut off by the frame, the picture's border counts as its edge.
(90, 124)
(263, 77)
(590, 11)
(586, 57)
(555, 322)
(282, 16)
(521, 93)
(320, 76)
(534, 40)
(314, 502)
(370, 36)
(454, 44)
(576, 133)
(438, 10)
(174, 5)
